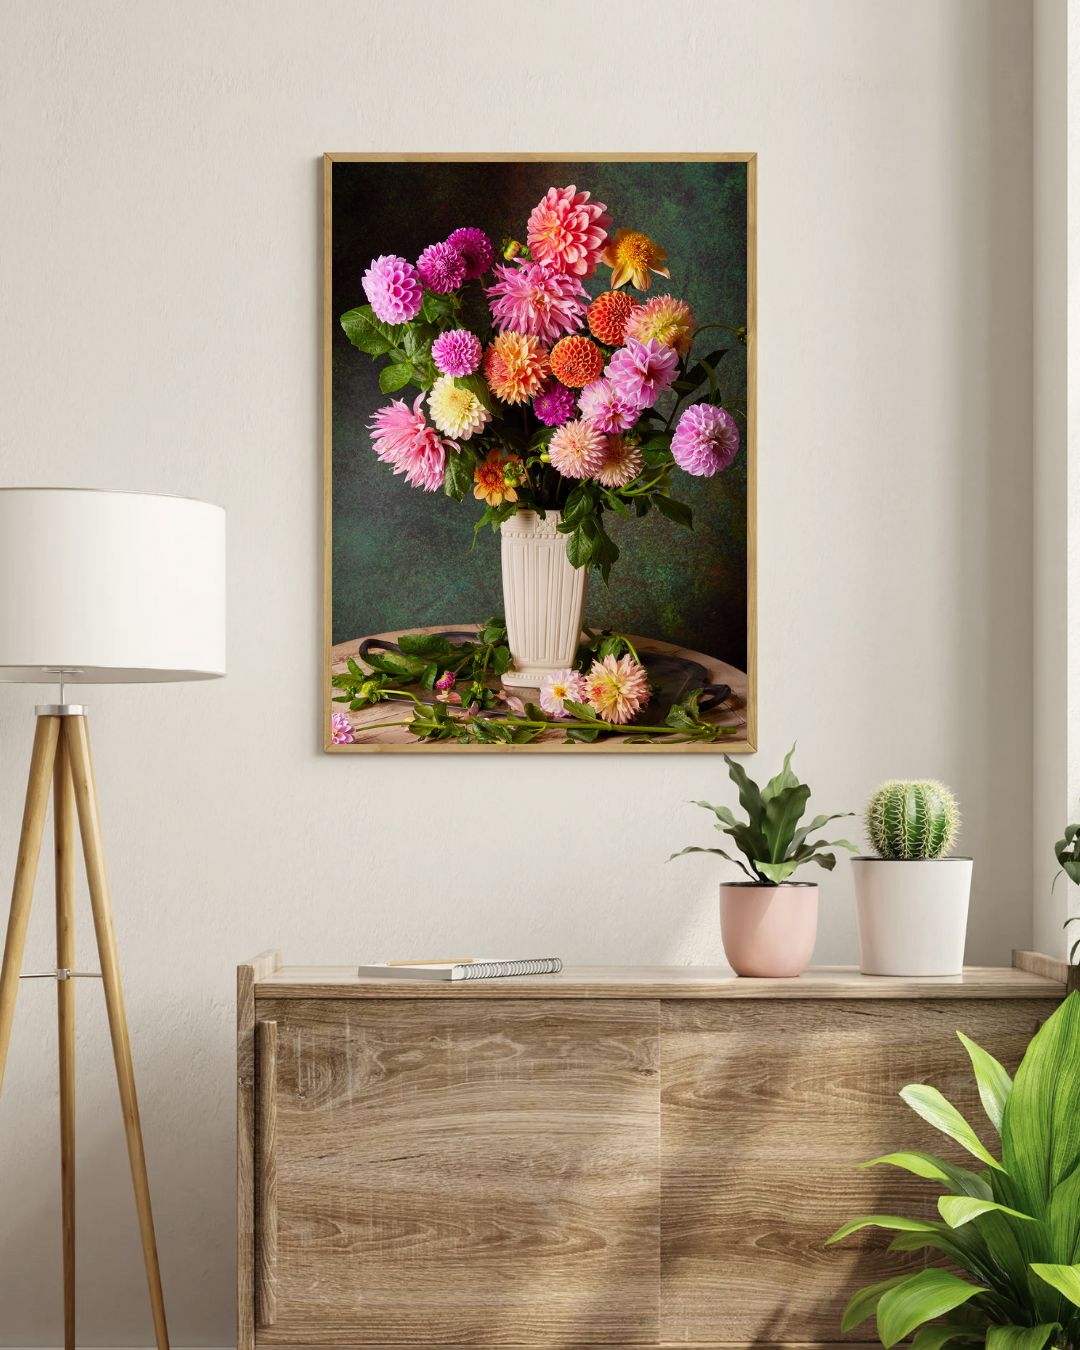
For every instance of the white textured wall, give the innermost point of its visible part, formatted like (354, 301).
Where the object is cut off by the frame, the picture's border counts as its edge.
(159, 322)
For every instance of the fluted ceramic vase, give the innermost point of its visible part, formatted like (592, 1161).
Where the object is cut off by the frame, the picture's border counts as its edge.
(544, 598)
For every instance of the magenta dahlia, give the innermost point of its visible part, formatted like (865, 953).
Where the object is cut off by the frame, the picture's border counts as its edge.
(641, 371)
(342, 731)
(567, 231)
(403, 439)
(475, 247)
(457, 352)
(554, 404)
(535, 300)
(393, 289)
(605, 408)
(705, 441)
(441, 268)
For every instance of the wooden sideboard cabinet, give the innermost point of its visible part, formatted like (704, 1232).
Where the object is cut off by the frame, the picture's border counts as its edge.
(631, 1157)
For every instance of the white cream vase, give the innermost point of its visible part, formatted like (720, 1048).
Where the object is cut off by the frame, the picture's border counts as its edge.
(544, 598)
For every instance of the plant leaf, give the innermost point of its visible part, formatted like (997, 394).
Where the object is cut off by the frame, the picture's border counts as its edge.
(957, 1210)
(864, 1304)
(783, 811)
(1020, 1338)
(393, 378)
(926, 1165)
(720, 812)
(723, 854)
(924, 1296)
(819, 822)
(1040, 1133)
(778, 872)
(937, 1111)
(784, 779)
(1065, 1279)
(994, 1083)
(893, 1221)
(933, 1338)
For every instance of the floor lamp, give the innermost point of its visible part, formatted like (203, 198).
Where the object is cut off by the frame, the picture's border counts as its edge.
(95, 588)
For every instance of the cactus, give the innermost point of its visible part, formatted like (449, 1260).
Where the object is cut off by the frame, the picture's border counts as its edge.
(912, 820)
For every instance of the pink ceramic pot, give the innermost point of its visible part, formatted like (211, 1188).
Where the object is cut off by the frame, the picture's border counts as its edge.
(769, 930)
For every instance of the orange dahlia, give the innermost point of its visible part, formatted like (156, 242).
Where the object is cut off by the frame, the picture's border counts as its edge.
(576, 361)
(497, 478)
(608, 314)
(663, 317)
(515, 367)
(631, 257)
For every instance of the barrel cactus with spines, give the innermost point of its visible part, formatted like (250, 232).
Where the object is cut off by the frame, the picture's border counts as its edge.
(912, 820)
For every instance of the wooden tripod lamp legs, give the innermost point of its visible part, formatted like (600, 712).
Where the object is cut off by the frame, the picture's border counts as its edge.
(61, 757)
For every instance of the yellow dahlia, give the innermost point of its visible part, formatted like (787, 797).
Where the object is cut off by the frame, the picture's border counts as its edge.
(456, 412)
(631, 257)
(515, 367)
(497, 478)
(663, 317)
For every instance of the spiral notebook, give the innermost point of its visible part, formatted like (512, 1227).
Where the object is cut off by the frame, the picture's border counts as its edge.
(463, 968)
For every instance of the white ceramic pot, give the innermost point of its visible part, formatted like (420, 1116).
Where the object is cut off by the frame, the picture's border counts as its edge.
(769, 931)
(544, 598)
(912, 915)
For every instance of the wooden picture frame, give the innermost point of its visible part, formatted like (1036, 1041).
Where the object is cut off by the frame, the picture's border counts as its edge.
(747, 734)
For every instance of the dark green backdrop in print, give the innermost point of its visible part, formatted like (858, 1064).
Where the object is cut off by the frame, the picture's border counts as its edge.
(401, 556)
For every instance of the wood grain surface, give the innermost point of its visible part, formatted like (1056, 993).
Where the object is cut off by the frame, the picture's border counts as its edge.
(767, 1108)
(461, 1174)
(247, 976)
(648, 982)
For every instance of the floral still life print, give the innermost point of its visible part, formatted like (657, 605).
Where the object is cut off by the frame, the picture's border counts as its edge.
(539, 454)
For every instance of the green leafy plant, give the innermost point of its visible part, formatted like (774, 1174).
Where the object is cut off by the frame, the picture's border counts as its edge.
(771, 839)
(1012, 1227)
(907, 820)
(1067, 852)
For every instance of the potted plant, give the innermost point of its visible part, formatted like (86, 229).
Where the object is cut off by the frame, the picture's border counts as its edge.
(769, 922)
(911, 900)
(1067, 852)
(1011, 1228)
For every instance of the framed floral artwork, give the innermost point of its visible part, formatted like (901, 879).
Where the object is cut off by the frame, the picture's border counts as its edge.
(539, 409)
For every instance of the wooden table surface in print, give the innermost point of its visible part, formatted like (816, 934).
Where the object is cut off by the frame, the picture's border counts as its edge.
(608, 1157)
(732, 713)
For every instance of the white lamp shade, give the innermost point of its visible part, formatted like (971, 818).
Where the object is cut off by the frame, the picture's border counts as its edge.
(116, 586)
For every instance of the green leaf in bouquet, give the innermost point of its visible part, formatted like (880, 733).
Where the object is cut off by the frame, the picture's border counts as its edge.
(607, 551)
(436, 307)
(478, 386)
(676, 511)
(581, 712)
(582, 545)
(395, 377)
(493, 631)
(583, 735)
(429, 646)
(368, 333)
(699, 373)
(459, 473)
(580, 504)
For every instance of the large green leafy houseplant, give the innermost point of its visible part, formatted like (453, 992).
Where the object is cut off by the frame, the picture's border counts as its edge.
(771, 838)
(1012, 1227)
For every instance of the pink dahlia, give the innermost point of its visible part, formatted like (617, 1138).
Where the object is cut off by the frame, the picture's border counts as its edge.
(554, 404)
(393, 289)
(605, 409)
(622, 463)
(535, 300)
(441, 268)
(567, 231)
(342, 731)
(641, 371)
(705, 441)
(403, 439)
(577, 449)
(476, 248)
(617, 689)
(559, 686)
(457, 352)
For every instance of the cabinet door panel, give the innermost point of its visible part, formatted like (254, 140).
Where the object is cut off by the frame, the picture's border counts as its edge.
(465, 1171)
(766, 1110)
